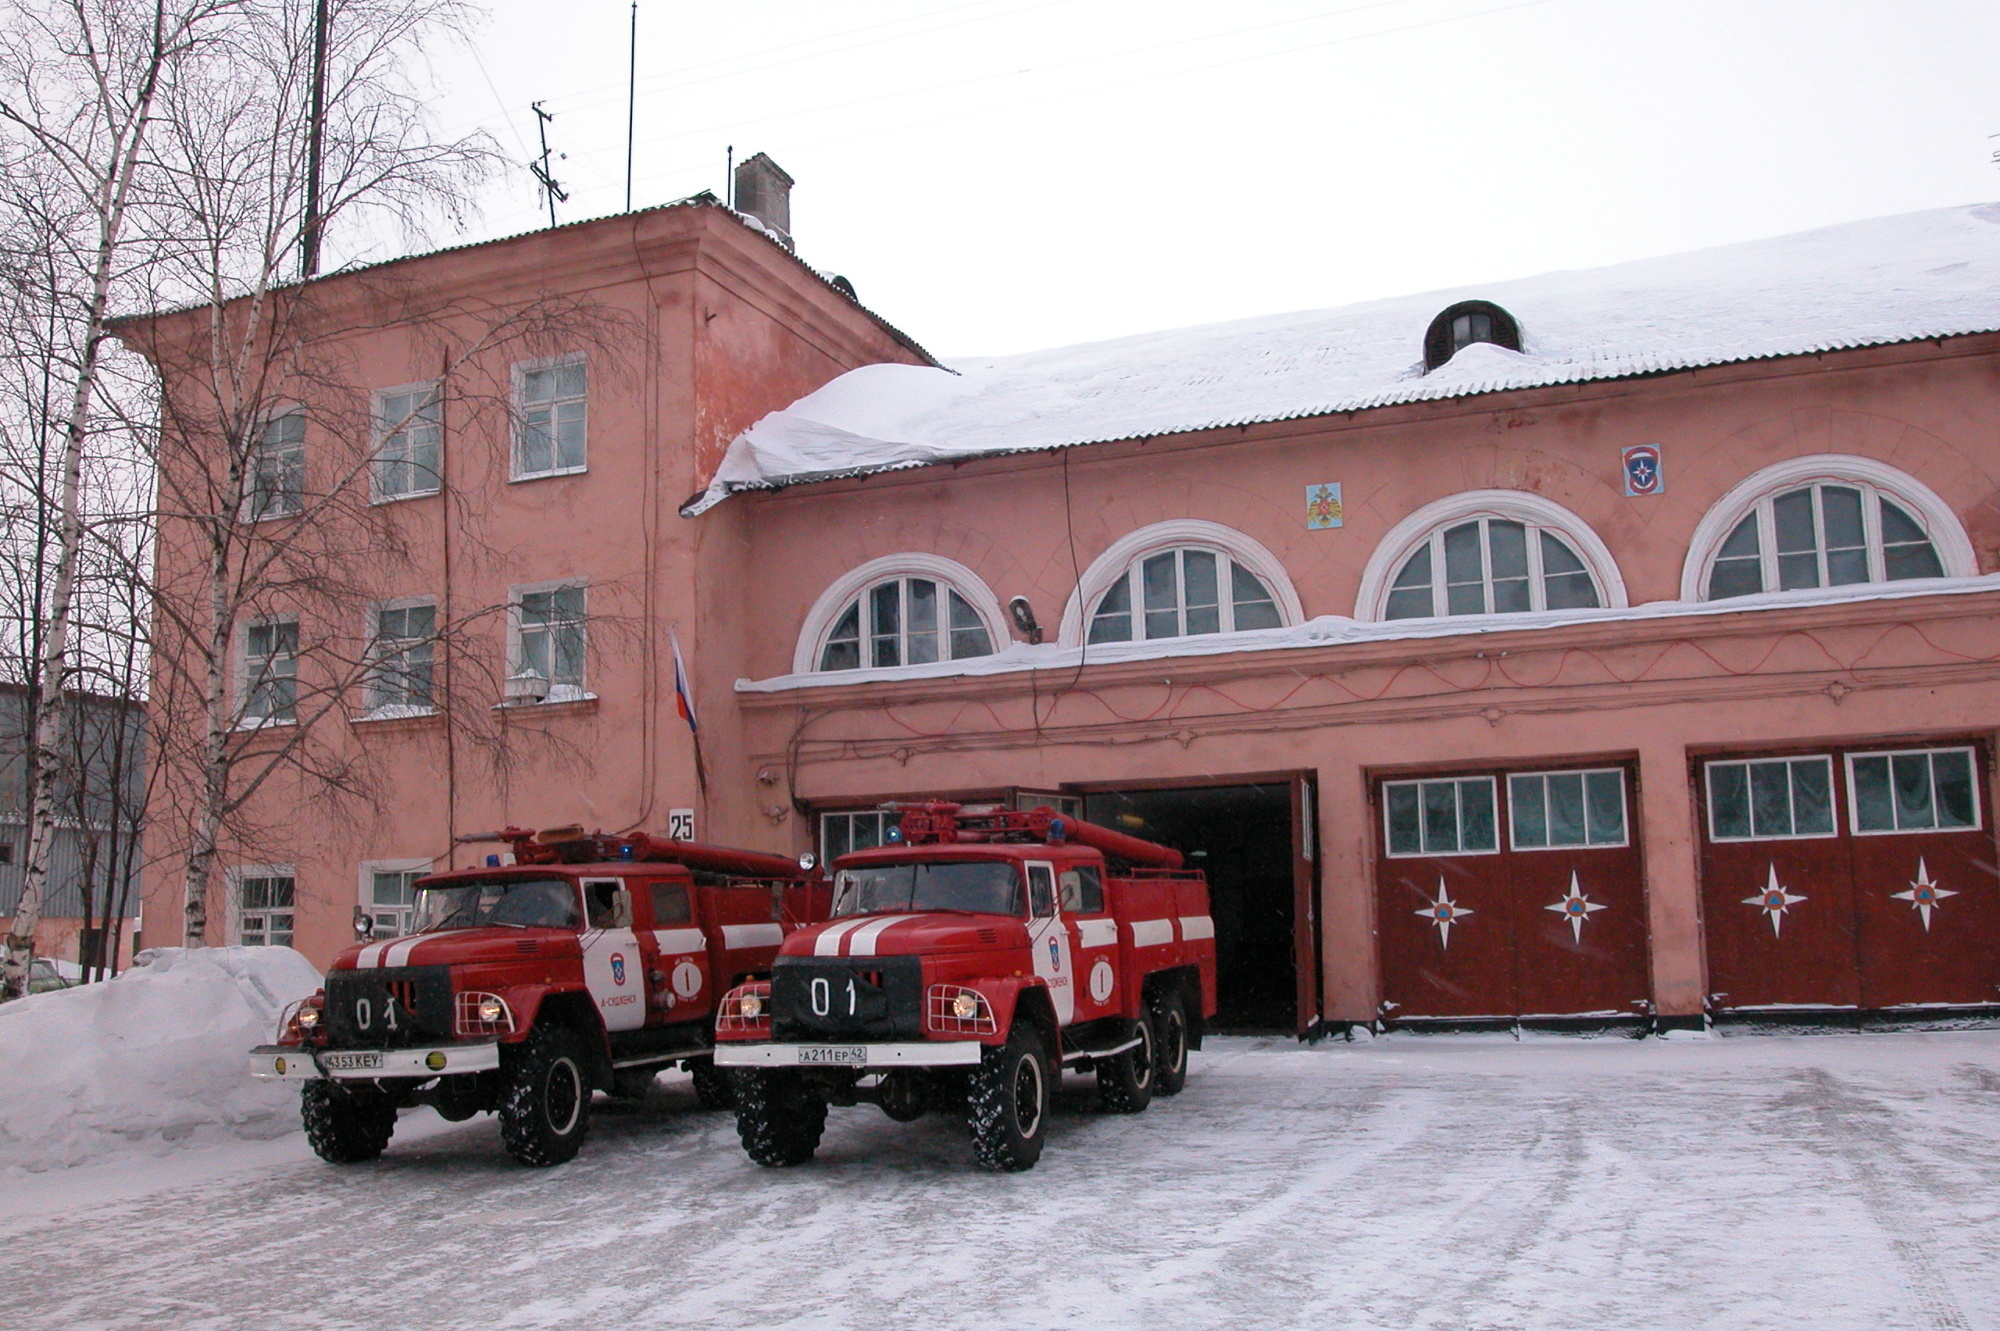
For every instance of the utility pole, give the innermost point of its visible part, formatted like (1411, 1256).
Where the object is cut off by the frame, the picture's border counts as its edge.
(540, 167)
(631, 102)
(309, 233)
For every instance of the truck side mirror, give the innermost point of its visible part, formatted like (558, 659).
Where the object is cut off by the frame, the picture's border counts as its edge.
(621, 909)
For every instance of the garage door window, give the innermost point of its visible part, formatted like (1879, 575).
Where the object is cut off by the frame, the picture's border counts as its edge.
(1771, 800)
(1919, 790)
(1550, 810)
(1441, 817)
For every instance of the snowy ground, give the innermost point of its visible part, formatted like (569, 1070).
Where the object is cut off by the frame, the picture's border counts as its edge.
(1834, 1181)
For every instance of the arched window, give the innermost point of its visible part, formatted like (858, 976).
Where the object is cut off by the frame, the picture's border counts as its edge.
(900, 610)
(1488, 552)
(1469, 321)
(1825, 521)
(905, 621)
(1180, 593)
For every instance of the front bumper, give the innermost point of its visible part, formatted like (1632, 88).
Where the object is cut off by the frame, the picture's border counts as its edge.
(865, 1057)
(273, 1062)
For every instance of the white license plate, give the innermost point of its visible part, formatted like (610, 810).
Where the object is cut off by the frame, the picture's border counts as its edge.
(351, 1062)
(854, 1054)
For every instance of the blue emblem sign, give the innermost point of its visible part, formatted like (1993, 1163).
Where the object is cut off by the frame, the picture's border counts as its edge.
(1643, 472)
(1055, 955)
(617, 968)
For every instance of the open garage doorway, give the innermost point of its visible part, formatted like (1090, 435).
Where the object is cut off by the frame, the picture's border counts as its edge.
(1245, 838)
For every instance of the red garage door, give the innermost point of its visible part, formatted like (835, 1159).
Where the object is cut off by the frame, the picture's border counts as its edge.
(1506, 894)
(1850, 878)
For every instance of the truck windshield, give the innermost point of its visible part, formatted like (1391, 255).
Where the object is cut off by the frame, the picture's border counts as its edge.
(990, 887)
(547, 903)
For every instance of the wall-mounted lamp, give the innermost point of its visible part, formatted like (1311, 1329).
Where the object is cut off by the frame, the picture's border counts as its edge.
(1023, 616)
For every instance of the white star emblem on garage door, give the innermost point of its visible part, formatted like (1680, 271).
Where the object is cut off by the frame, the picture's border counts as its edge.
(1443, 912)
(1774, 901)
(1924, 894)
(1576, 908)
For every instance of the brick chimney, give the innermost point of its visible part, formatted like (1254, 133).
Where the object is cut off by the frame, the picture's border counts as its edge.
(764, 191)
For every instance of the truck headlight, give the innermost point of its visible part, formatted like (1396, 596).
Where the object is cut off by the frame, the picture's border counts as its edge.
(750, 1006)
(491, 1009)
(308, 1017)
(965, 1005)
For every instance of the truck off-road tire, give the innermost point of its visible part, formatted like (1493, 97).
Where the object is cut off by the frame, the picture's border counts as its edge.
(1008, 1102)
(1170, 1042)
(346, 1127)
(1125, 1081)
(713, 1086)
(777, 1116)
(545, 1112)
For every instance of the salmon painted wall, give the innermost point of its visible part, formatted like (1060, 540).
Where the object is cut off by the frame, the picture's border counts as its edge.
(1650, 689)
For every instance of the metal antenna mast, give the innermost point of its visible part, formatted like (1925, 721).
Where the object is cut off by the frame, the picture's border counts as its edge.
(540, 167)
(310, 228)
(631, 102)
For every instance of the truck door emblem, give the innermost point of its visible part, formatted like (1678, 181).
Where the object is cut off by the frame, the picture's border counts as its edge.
(1055, 955)
(617, 968)
(687, 979)
(1101, 980)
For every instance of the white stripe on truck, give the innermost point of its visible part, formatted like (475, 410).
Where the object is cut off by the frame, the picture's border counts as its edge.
(674, 942)
(1096, 933)
(862, 942)
(1196, 926)
(828, 943)
(1152, 933)
(735, 936)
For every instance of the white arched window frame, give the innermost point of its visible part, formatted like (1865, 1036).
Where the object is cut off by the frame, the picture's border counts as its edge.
(1428, 524)
(1876, 480)
(856, 583)
(1124, 558)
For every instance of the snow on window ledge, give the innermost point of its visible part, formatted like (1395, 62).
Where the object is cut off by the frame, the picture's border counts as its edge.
(1339, 630)
(263, 722)
(395, 712)
(559, 695)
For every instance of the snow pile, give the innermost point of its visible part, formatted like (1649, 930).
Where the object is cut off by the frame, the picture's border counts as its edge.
(1892, 279)
(148, 1060)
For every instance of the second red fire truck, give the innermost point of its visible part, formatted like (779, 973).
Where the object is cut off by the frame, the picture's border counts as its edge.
(964, 966)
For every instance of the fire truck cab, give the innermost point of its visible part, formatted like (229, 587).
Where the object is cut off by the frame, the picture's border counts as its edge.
(590, 962)
(963, 967)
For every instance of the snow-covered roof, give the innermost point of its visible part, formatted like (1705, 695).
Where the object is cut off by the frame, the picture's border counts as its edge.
(1891, 279)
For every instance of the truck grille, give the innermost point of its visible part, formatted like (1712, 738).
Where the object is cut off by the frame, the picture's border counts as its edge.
(861, 998)
(390, 1007)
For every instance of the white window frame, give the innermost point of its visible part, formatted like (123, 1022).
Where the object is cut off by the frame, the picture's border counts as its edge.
(1125, 555)
(1429, 523)
(365, 887)
(521, 370)
(1708, 796)
(234, 880)
(1500, 836)
(250, 512)
(1854, 798)
(516, 661)
(244, 674)
(833, 602)
(374, 708)
(1624, 813)
(379, 426)
(1932, 513)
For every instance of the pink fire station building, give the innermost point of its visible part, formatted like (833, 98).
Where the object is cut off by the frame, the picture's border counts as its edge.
(1609, 646)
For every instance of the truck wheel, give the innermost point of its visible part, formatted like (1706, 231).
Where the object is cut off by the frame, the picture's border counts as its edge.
(546, 1109)
(1008, 1104)
(1125, 1081)
(345, 1127)
(713, 1086)
(778, 1117)
(1170, 1042)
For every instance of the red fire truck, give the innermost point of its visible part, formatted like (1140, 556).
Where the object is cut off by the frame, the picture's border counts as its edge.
(591, 962)
(963, 967)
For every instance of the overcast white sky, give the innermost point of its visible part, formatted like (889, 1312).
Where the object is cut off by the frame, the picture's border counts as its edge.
(1002, 175)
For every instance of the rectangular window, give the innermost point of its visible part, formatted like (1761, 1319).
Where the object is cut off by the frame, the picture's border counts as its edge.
(1448, 817)
(860, 830)
(1770, 799)
(670, 905)
(1549, 810)
(276, 483)
(271, 671)
(391, 897)
(264, 910)
(550, 640)
(551, 409)
(1917, 790)
(402, 657)
(409, 431)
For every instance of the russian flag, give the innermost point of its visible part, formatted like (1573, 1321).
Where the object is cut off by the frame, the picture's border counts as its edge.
(683, 696)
